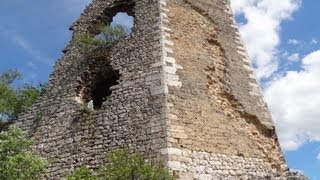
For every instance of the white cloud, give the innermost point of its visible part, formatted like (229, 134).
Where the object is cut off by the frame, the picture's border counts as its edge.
(297, 170)
(318, 157)
(26, 46)
(294, 57)
(314, 41)
(294, 101)
(293, 42)
(261, 31)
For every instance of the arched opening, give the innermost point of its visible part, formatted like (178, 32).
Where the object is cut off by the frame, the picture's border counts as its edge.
(118, 22)
(124, 20)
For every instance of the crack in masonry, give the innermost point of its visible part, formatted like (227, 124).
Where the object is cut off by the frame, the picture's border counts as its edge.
(227, 103)
(249, 117)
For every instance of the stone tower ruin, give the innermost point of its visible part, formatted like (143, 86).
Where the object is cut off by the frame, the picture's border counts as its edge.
(180, 88)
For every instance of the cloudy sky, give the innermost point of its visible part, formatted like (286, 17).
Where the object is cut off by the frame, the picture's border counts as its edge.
(281, 36)
(283, 41)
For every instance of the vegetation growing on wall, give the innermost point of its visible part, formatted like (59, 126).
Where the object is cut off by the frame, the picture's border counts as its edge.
(123, 165)
(107, 34)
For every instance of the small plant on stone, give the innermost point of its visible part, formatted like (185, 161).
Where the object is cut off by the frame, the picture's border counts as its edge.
(86, 107)
(107, 34)
(108, 99)
(110, 34)
(82, 173)
(87, 40)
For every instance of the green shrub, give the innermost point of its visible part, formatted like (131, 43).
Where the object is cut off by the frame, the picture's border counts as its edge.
(111, 33)
(16, 158)
(83, 173)
(123, 166)
(86, 107)
(107, 34)
(87, 40)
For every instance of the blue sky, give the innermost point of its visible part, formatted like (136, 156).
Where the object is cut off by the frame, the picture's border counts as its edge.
(282, 38)
(32, 35)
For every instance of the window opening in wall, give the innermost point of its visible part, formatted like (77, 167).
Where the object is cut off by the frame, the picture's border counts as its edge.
(124, 20)
(95, 86)
(113, 24)
(120, 26)
(101, 88)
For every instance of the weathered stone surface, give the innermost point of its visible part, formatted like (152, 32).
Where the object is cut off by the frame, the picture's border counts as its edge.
(185, 93)
(132, 116)
(210, 116)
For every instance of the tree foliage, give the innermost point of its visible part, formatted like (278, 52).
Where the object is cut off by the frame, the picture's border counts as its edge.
(87, 40)
(123, 166)
(10, 76)
(16, 158)
(111, 33)
(13, 100)
(107, 34)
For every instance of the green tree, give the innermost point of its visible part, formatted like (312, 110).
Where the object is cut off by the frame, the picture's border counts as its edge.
(125, 166)
(9, 76)
(16, 158)
(13, 100)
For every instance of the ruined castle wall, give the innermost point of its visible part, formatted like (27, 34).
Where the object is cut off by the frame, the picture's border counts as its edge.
(134, 114)
(218, 109)
(185, 94)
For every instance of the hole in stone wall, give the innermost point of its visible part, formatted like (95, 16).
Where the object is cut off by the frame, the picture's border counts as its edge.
(94, 86)
(98, 77)
(124, 20)
(119, 22)
(101, 87)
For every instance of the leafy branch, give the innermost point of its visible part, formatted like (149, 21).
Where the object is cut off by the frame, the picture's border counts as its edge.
(16, 158)
(14, 100)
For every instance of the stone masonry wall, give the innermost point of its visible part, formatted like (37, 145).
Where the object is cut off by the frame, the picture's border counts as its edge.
(182, 91)
(219, 125)
(188, 164)
(134, 114)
